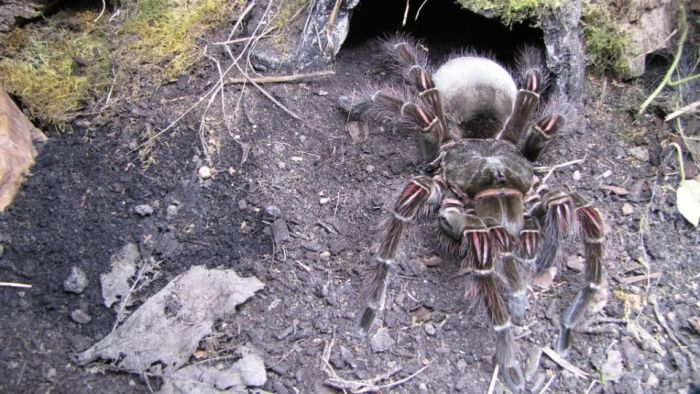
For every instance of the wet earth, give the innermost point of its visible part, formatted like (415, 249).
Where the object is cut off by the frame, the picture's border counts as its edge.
(300, 214)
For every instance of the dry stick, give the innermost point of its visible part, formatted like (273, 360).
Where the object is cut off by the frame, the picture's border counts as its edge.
(549, 382)
(102, 11)
(268, 95)
(242, 39)
(634, 279)
(667, 77)
(329, 25)
(562, 165)
(683, 110)
(494, 378)
(369, 386)
(13, 284)
(563, 363)
(282, 78)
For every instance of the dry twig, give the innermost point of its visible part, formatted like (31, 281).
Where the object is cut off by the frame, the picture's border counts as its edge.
(282, 78)
(563, 363)
(13, 284)
(369, 385)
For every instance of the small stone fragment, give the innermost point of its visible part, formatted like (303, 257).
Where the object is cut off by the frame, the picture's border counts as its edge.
(432, 261)
(695, 323)
(652, 381)
(575, 263)
(612, 369)
(76, 282)
(204, 172)
(80, 317)
(577, 175)
(640, 153)
(381, 341)
(430, 329)
(627, 209)
(322, 92)
(171, 211)
(325, 255)
(251, 368)
(225, 380)
(143, 209)
(369, 168)
(324, 200)
(273, 211)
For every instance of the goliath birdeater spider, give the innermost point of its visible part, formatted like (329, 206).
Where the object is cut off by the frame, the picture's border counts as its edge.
(478, 140)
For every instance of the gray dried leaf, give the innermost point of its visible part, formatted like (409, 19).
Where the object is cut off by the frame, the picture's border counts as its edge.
(168, 327)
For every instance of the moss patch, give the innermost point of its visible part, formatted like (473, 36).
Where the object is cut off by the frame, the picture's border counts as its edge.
(55, 68)
(605, 42)
(511, 11)
(164, 33)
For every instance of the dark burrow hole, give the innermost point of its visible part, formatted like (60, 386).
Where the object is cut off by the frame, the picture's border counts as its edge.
(443, 26)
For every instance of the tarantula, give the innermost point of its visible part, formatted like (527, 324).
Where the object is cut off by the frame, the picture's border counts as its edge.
(478, 141)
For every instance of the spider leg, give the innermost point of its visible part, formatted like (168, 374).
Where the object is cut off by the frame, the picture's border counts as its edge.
(564, 214)
(590, 230)
(534, 80)
(418, 198)
(480, 246)
(398, 106)
(551, 121)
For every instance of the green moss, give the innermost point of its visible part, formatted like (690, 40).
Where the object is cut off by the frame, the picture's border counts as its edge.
(56, 69)
(511, 11)
(605, 42)
(164, 33)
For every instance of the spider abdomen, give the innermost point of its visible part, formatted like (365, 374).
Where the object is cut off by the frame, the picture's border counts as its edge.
(477, 94)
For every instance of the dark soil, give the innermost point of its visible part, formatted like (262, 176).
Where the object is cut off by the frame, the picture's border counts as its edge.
(312, 251)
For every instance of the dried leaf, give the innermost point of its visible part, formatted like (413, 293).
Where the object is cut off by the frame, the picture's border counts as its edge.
(353, 129)
(169, 326)
(564, 363)
(688, 200)
(115, 284)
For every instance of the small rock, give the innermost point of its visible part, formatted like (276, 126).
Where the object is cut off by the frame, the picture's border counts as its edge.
(204, 172)
(280, 232)
(251, 368)
(143, 209)
(322, 93)
(652, 381)
(607, 173)
(575, 263)
(381, 341)
(640, 153)
(324, 200)
(369, 168)
(76, 282)
(80, 317)
(464, 383)
(577, 175)
(627, 209)
(227, 380)
(430, 329)
(171, 211)
(51, 374)
(613, 369)
(325, 255)
(281, 165)
(273, 211)
(461, 365)
(695, 323)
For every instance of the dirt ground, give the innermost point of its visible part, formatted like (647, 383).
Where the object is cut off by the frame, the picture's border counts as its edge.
(300, 214)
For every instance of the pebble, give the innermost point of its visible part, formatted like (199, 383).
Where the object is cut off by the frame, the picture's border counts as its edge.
(577, 175)
(652, 381)
(80, 317)
(251, 368)
(76, 282)
(575, 263)
(369, 168)
(322, 92)
(281, 165)
(325, 255)
(324, 200)
(381, 341)
(627, 209)
(205, 172)
(143, 209)
(430, 329)
(464, 383)
(171, 211)
(273, 211)
(461, 365)
(640, 153)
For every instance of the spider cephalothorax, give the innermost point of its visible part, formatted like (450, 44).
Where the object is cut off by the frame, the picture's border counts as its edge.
(478, 137)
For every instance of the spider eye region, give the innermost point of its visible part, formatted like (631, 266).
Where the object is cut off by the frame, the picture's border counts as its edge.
(473, 166)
